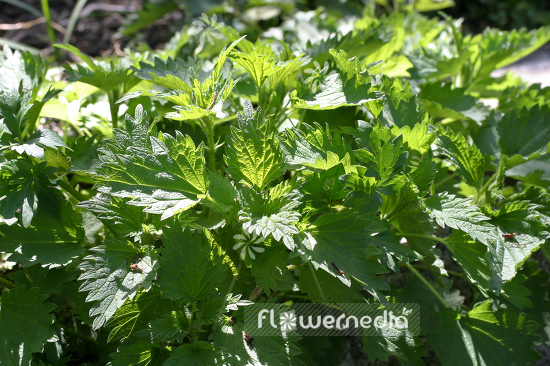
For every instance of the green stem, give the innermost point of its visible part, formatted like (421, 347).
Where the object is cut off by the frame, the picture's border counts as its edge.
(446, 179)
(232, 284)
(424, 236)
(211, 200)
(484, 188)
(209, 130)
(428, 284)
(6, 283)
(417, 266)
(317, 283)
(70, 189)
(114, 107)
(49, 21)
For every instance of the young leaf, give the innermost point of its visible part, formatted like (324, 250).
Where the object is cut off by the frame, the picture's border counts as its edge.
(189, 270)
(114, 273)
(252, 153)
(25, 325)
(467, 158)
(276, 214)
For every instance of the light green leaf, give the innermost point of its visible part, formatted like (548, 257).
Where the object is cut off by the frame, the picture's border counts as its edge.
(467, 158)
(25, 325)
(252, 153)
(109, 279)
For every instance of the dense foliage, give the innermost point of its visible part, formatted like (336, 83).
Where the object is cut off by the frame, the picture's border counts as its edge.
(146, 200)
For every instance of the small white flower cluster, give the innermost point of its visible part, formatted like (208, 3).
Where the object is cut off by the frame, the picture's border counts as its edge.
(248, 245)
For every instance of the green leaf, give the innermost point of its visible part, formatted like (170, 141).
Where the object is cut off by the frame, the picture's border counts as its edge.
(252, 153)
(484, 336)
(196, 354)
(459, 213)
(36, 143)
(14, 106)
(274, 215)
(136, 313)
(25, 325)
(21, 68)
(140, 354)
(444, 102)
(124, 219)
(343, 238)
(53, 239)
(22, 187)
(109, 279)
(164, 174)
(467, 158)
(234, 349)
(418, 138)
(303, 148)
(525, 132)
(170, 327)
(269, 267)
(85, 155)
(190, 271)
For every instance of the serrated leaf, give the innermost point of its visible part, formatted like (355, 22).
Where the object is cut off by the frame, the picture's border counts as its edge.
(52, 240)
(109, 279)
(195, 354)
(34, 146)
(269, 267)
(125, 219)
(170, 327)
(418, 138)
(136, 313)
(458, 213)
(140, 354)
(165, 175)
(485, 336)
(234, 349)
(525, 131)
(25, 325)
(444, 102)
(252, 153)
(467, 158)
(274, 215)
(344, 238)
(189, 270)
(85, 155)
(304, 148)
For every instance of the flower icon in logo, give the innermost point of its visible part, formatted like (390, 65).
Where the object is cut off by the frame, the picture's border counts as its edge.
(317, 76)
(248, 245)
(287, 320)
(207, 29)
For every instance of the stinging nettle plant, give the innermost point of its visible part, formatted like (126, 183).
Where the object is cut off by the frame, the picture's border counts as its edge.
(248, 174)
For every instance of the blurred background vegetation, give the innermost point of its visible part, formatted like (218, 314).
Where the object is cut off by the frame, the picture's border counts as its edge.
(104, 27)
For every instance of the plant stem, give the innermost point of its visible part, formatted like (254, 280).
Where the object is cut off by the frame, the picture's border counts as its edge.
(209, 130)
(446, 179)
(453, 273)
(70, 189)
(317, 282)
(232, 284)
(211, 200)
(48, 16)
(428, 284)
(114, 108)
(424, 236)
(6, 283)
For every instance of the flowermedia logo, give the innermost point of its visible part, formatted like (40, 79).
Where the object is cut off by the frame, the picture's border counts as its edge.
(332, 319)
